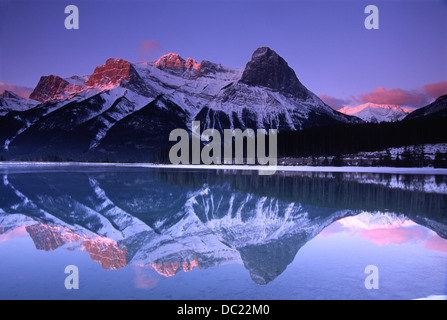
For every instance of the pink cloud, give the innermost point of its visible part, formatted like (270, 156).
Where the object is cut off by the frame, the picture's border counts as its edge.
(334, 102)
(437, 89)
(383, 237)
(143, 280)
(19, 232)
(332, 229)
(395, 96)
(437, 243)
(416, 98)
(147, 48)
(23, 92)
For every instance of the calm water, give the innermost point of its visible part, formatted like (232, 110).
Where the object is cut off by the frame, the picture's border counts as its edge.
(173, 234)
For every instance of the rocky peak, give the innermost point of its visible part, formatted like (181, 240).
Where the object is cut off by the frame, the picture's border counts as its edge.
(111, 73)
(176, 65)
(9, 95)
(48, 87)
(192, 64)
(208, 68)
(173, 60)
(267, 69)
(170, 60)
(102, 250)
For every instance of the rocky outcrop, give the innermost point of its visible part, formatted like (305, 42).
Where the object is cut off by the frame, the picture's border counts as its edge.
(9, 95)
(102, 250)
(267, 69)
(111, 73)
(48, 88)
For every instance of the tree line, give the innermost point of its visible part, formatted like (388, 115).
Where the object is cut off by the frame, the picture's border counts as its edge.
(339, 140)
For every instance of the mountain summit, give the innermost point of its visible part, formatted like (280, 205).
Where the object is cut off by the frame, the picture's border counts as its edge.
(373, 112)
(268, 69)
(9, 101)
(9, 95)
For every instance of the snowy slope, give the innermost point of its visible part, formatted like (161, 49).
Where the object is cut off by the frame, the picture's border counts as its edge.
(219, 92)
(11, 102)
(437, 107)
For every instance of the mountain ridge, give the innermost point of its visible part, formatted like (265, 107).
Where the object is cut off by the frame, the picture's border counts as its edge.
(266, 94)
(437, 107)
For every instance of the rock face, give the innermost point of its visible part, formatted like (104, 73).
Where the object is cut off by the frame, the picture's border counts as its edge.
(102, 250)
(117, 72)
(174, 64)
(48, 88)
(268, 69)
(111, 73)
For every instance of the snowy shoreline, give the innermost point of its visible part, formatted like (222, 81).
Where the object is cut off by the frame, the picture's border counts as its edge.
(391, 170)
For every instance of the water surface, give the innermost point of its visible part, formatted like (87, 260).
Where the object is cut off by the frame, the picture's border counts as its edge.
(145, 233)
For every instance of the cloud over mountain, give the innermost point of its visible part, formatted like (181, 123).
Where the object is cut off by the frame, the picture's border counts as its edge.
(21, 91)
(147, 49)
(414, 98)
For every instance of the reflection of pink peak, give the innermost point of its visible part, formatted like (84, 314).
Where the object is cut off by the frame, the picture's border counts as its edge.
(167, 269)
(170, 269)
(369, 221)
(385, 229)
(383, 237)
(173, 60)
(436, 244)
(144, 280)
(12, 234)
(106, 252)
(102, 250)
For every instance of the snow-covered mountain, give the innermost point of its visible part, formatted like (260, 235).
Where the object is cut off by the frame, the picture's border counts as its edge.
(128, 109)
(437, 108)
(9, 101)
(373, 112)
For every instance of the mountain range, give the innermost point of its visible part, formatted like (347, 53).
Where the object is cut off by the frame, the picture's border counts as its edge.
(125, 111)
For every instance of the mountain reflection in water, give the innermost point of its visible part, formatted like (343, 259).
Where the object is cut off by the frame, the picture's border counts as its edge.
(175, 221)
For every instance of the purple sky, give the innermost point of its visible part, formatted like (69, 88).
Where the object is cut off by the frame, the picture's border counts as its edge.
(325, 42)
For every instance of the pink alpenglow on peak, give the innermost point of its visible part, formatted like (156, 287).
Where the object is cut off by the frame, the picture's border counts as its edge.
(173, 60)
(192, 64)
(111, 73)
(373, 112)
(54, 87)
(48, 88)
